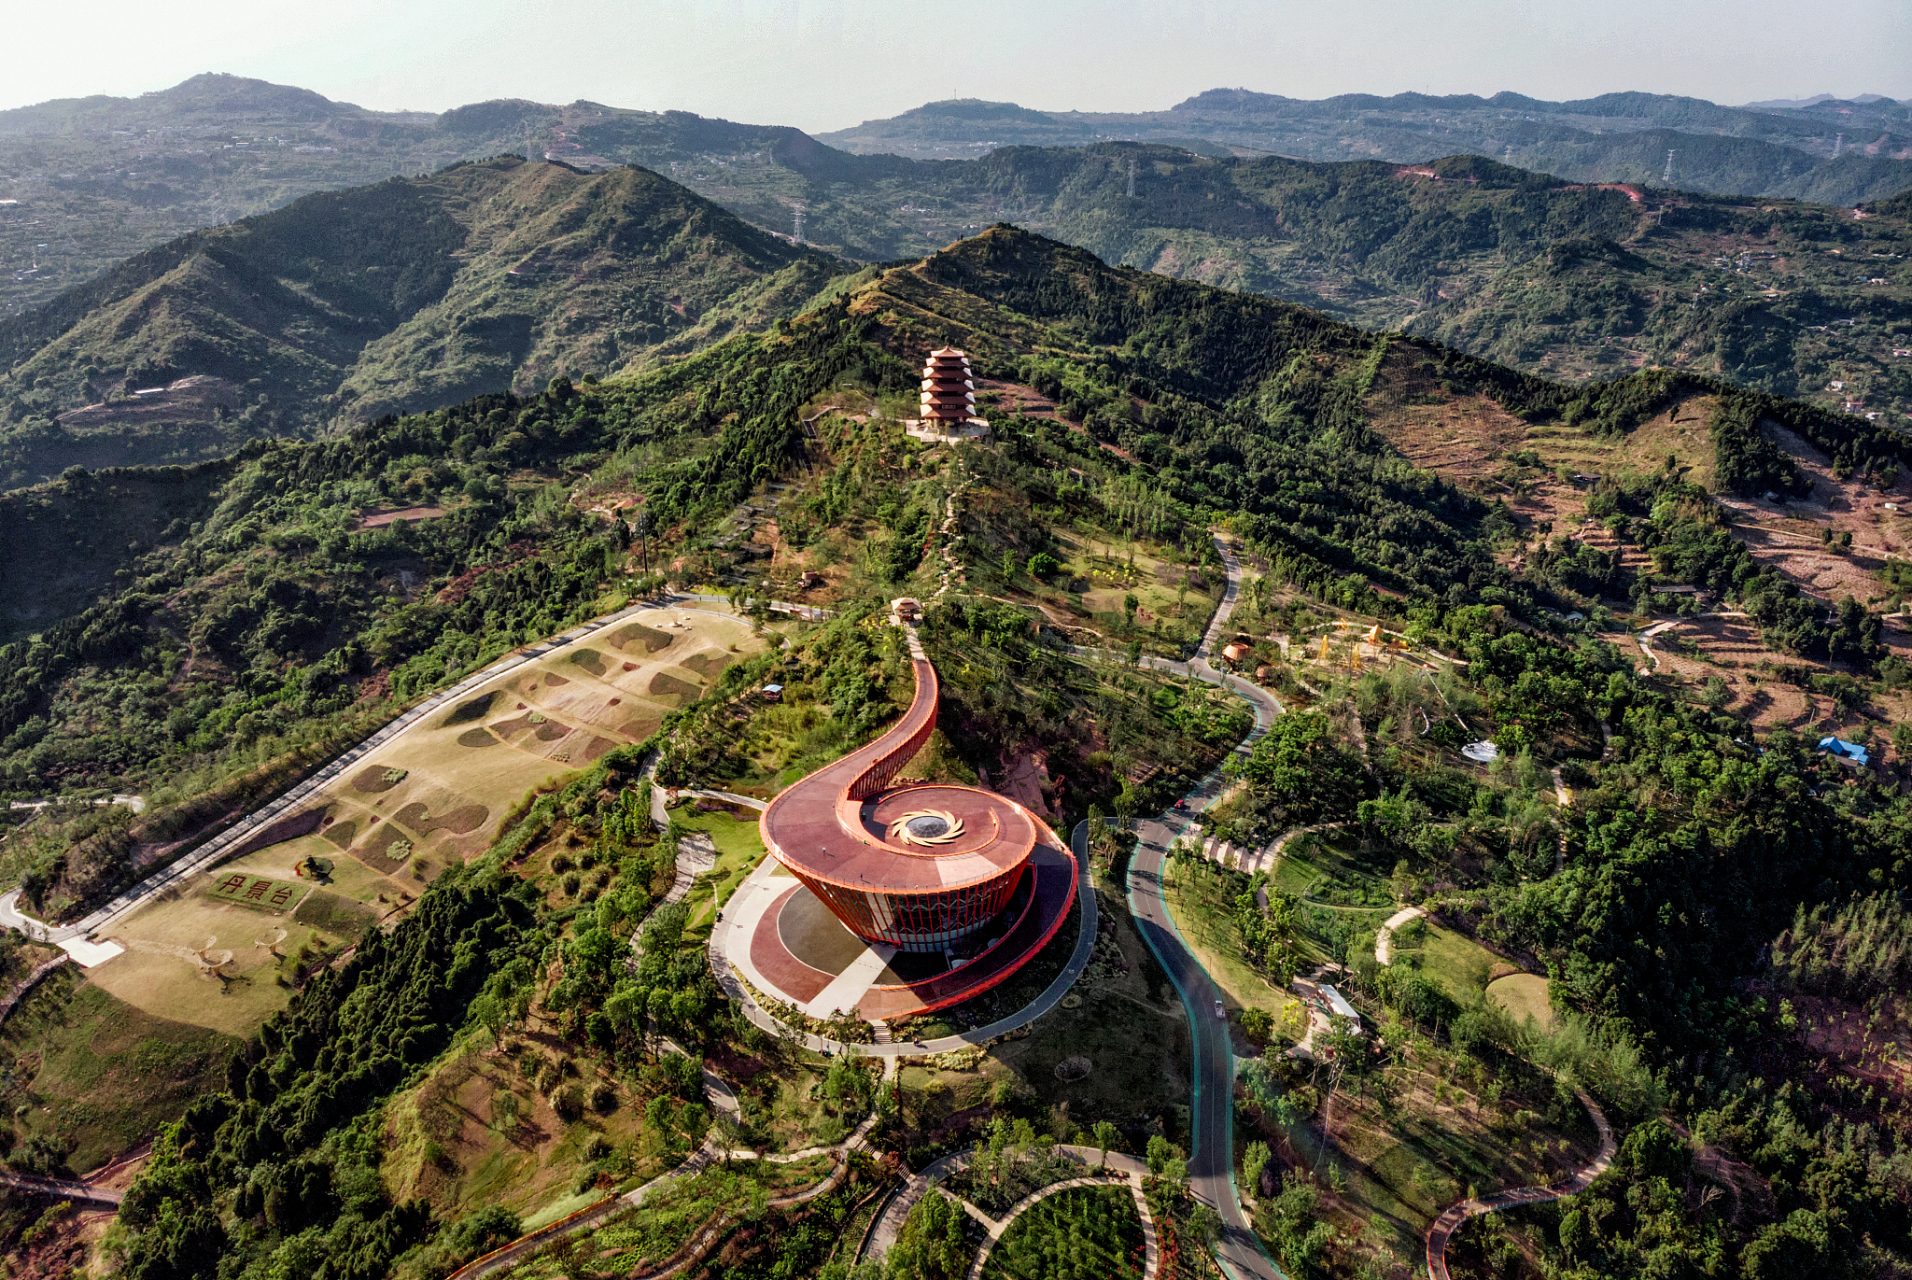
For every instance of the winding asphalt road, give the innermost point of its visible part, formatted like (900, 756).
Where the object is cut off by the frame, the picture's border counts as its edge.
(1211, 1164)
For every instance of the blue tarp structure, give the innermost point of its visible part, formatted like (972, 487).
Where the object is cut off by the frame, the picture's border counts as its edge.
(1846, 750)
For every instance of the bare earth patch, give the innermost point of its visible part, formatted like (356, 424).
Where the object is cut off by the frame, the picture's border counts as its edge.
(379, 519)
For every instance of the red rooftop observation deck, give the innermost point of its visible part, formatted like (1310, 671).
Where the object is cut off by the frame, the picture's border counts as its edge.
(914, 867)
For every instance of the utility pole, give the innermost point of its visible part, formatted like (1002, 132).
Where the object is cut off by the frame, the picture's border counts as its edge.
(1666, 178)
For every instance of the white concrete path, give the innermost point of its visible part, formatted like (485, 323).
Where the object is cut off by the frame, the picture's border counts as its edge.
(1384, 940)
(848, 988)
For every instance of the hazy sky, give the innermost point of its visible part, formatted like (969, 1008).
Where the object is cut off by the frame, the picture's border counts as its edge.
(823, 66)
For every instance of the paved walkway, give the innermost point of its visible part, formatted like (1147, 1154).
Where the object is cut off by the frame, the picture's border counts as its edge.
(1127, 1169)
(1648, 635)
(952, 567)
(685, 869)
(1384, 940)
(732, 797)
(61, 1189)
(1451, 1218)
(136, 803)
(1269, 859)
(890, 1221)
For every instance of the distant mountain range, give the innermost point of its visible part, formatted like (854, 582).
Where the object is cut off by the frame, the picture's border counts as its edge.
(405, 294)
(1824, 150)
(422, 291)
(1800, 104)
(93, 181)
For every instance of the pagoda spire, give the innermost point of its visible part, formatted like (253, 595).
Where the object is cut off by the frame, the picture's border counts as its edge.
(948, 402)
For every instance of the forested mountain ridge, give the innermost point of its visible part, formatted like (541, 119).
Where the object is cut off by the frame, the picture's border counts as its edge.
(1545, 273)
(1616, 137)
(403, 295)
(1549, 276)
(279, 627)
(1559, 278)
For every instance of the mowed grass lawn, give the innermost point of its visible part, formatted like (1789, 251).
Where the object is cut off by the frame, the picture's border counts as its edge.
(1525, 995)
(1204, 913)
(106, 1075)
(739, 849)
(1138, 1060)
(1326, 867)
(1459, 964)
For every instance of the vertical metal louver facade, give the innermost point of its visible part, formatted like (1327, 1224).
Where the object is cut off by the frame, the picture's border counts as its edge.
(923, 922)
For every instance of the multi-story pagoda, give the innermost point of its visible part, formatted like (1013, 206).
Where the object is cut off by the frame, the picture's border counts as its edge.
(948, 399)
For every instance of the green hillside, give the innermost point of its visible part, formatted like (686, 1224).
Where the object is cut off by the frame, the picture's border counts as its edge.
(410, 293)
(69, 540)
(1533, 271)
(1714, 899)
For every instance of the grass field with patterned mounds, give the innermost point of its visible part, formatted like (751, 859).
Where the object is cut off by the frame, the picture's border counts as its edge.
(255, 891)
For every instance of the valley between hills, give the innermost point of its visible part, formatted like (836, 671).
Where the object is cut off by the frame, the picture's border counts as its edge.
(1478, 776)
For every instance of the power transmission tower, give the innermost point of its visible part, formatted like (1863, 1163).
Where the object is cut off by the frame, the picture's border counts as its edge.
(1838, 145)
(1666, 178)
(1131, 177)
(799, 235)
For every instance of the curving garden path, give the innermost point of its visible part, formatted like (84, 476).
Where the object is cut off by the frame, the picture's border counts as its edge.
(1455, 1214)
(1128, 1169)
(1151, 1248)
(1384, 940)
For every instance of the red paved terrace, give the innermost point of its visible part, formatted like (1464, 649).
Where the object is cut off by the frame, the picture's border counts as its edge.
(918, 868)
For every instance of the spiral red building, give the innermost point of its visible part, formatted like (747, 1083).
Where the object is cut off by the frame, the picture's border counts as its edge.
(919, 868)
